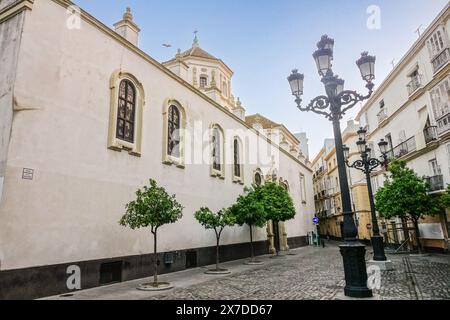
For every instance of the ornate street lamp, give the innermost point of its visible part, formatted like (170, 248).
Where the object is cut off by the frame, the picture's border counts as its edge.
(333, 106)
(367, 165)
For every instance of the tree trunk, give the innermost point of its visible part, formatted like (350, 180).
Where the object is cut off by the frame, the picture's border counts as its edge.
(217, 253)
(406, 233)
(416, 228)
(276, 238)
(155, 262)
(251, 243)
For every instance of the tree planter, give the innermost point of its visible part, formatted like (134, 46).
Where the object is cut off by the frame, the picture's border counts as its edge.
(218, 272)
(160, 286)
(254, 263)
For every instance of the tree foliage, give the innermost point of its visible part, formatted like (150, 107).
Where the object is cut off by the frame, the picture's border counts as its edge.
(445, 198)
(275, 201)
(249, 210)
(153, 207)
(405, 195)
(215, 221)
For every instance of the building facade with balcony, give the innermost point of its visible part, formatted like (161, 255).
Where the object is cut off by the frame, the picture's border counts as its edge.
(327, 194)
(411, 111)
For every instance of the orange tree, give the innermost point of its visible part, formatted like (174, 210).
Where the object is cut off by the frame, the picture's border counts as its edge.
(153, 208)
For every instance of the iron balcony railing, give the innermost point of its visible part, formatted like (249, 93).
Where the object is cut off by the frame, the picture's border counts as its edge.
(435, 183)
(414, 84)
(382, 116)
(440, 60)
(403, 149)
(430, 134)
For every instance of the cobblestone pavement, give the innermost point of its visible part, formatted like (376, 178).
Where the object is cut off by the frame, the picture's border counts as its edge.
(317, 274)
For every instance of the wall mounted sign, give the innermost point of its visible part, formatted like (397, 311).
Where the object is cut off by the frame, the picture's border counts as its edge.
(431, 231)
(27, 174)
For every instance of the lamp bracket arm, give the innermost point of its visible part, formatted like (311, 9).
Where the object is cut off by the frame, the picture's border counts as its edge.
(374, 163)
(348, 99)
(358, 164)
(317, 105)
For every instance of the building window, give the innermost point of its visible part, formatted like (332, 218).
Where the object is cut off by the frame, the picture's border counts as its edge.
(440, 97)
(436, 43)
(126, 107)
(217, 164)
(303, 188)
(203, 82)
(217, 152)
(173, 138)
(126, 111)
(237, 161)
(174, 125)
(258, 177)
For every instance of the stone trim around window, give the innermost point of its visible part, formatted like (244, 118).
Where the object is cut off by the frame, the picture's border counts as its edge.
(217, 173)
(169, 159)
(115, 143)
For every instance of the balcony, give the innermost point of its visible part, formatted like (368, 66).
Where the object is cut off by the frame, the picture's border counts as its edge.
(435, 183)
(382, 116)
(440, 60)
(443, 124)
(319, 171)
(403, 149)
(430, 134)
(414, 84)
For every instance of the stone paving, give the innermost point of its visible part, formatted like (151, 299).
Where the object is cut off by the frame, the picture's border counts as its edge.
(309, 274)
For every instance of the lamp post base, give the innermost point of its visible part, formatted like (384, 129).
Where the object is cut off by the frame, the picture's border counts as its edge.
(378, 248)
(383, 265)
(354, 255)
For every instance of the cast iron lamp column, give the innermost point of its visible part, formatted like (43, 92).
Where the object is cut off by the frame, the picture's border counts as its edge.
(368, 165)
(334, 106)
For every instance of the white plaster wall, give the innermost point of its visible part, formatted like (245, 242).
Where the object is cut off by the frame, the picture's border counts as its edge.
(70, 211)
(10, 38)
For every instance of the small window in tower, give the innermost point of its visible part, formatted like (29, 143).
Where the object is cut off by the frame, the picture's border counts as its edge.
(203, 82)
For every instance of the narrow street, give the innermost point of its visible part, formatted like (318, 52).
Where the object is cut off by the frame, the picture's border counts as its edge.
(310, 273)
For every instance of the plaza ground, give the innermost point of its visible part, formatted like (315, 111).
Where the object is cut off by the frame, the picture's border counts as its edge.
(309, 273)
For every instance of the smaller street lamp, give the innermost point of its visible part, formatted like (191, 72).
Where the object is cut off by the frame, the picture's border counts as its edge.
(367, 165)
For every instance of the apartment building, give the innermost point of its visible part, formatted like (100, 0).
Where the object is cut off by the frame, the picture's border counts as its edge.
(327, 193)
(411, 111)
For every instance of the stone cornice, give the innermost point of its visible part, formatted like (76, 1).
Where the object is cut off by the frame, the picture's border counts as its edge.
(111, 33)
(15, 8)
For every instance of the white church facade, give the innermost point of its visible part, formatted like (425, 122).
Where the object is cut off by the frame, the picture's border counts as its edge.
(87, 118)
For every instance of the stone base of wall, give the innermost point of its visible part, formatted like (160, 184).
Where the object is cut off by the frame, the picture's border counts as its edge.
(38, 282)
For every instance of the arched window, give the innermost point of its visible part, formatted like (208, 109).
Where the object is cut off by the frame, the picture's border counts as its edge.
(217, 152)
(173, 134)
(237, 159)
(126, 111)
